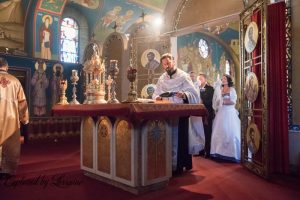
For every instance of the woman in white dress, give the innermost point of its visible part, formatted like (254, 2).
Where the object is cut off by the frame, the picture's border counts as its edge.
(226, 133)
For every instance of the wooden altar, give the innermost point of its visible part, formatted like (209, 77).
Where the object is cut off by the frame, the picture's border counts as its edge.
(128, 145)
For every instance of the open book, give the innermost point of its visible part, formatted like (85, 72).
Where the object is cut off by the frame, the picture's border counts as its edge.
(141, 100)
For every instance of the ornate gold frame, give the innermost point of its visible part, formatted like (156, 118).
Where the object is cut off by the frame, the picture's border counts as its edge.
(247, 113)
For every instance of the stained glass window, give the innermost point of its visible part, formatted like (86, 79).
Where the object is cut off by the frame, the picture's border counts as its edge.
(203, 48)
(69, 41)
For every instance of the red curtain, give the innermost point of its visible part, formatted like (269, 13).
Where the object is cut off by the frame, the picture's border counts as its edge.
(277, 89)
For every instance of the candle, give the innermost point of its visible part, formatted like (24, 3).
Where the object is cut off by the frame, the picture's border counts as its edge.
(74, 72)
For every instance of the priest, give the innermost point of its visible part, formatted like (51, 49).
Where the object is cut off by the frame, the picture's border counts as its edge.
(13, 106)
(176, 86)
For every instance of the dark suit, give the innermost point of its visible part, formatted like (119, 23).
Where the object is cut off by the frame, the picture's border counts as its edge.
(206, 95)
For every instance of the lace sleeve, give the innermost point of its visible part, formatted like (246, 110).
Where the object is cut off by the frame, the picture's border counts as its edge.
(233, 95)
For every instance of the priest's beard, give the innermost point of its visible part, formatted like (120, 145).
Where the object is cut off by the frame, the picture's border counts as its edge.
(170, 71)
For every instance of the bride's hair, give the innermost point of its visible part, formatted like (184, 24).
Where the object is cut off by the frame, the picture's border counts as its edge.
(229, 80)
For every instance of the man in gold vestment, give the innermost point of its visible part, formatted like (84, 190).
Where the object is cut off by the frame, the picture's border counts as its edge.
(13, 109)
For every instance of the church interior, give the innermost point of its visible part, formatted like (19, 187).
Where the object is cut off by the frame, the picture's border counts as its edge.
(72, 56)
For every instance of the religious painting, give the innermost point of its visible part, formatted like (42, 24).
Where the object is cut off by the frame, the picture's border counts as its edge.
(91, 4)
(253, 138)
(158, 5)
(199, 53)
(251, 87)
(47, 36)
(251, 37)
(146, 58)
(116, 18)
(55, 83)
(150, 60)
(39, 83)
(119, 16)
(190, 55)
(52, 6)
(147, 91)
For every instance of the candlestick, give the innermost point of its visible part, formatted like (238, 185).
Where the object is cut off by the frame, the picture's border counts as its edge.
(74, 78)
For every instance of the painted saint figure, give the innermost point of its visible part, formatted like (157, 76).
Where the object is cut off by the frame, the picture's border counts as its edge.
(251, 43)
(251, 142)
(40, 83)
(55, 83)
(46, 37)
(251, 87)
(251, 37)
(152, 62)
(111, 16)
(121, 20)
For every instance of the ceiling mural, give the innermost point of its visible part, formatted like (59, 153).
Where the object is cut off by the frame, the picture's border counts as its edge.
(53, 6)
(103, 16)
(91, 4)
(119, 15)
(158, 5)
(56, 6)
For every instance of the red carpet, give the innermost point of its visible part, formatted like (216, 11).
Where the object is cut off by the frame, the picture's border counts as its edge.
(51, 171)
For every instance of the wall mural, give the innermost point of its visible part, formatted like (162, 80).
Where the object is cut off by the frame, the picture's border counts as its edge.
(11, 24)
(91, 4)
(47, 36)
(158, 5)
(150, 60)
(52, 6)
(189, 58)
(121, 13)
(231, 36)
(40, 83)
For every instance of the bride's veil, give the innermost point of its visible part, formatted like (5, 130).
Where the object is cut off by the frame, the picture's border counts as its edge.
(217, 98)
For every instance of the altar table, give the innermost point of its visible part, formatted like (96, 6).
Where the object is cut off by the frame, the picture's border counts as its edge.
(128, 145)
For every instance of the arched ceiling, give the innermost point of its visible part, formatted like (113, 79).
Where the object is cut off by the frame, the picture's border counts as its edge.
(101, 14)
(200, 11)
(95, 10)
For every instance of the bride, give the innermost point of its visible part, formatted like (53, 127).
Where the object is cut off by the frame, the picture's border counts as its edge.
(226, 133)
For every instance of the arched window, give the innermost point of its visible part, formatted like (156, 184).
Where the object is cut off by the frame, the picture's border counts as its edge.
(227, 67)
(69, 41)
(203, 48)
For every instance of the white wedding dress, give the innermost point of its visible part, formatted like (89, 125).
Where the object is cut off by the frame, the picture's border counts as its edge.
(226, 132)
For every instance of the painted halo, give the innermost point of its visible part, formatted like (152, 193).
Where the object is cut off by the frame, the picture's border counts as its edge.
(58, 65)
(37, 63)
(147, 90)
(251, 37)
(144, 58)
(251, 87)
(253, 138)
(47, 16)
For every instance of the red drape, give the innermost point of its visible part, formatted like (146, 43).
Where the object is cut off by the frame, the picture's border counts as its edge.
(277, 89)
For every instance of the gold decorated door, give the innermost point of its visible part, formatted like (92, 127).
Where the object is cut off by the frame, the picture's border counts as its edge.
(254, 104)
